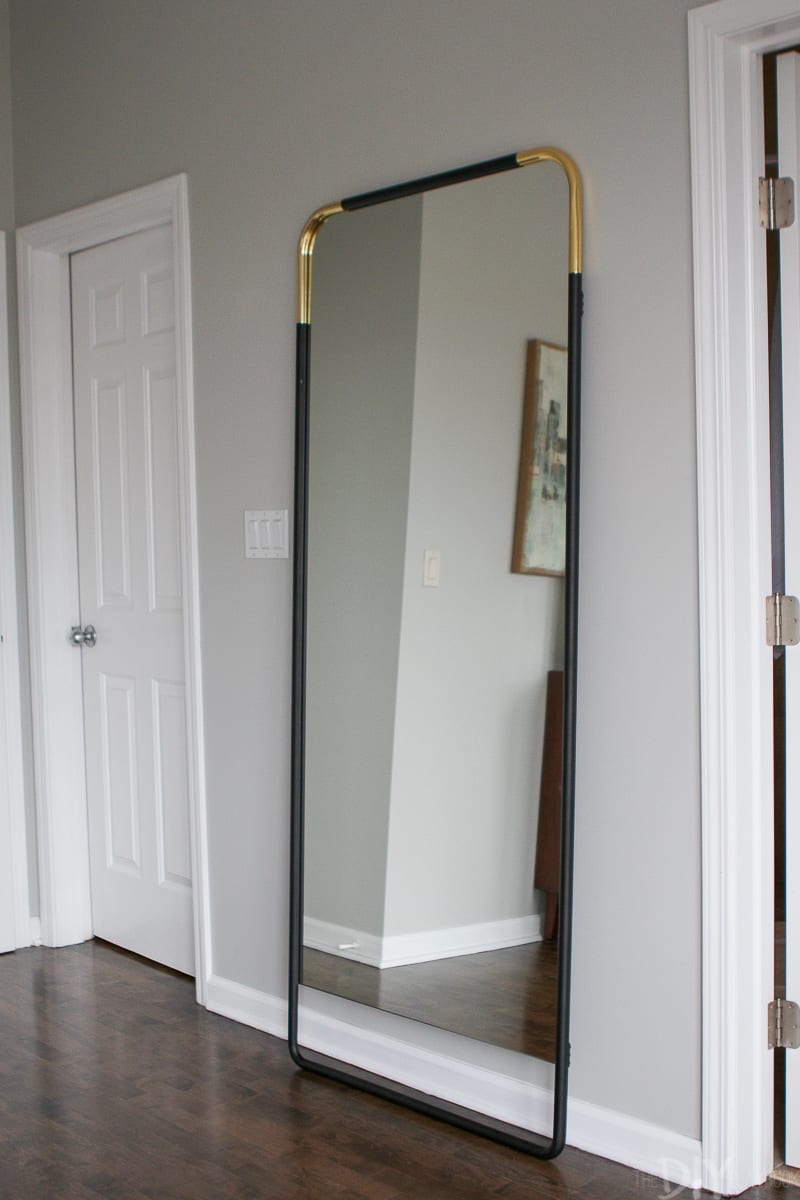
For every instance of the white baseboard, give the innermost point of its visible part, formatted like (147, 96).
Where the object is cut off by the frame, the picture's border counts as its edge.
(624, 1139)
(403, 949)
(248, 1006)
(36, 931)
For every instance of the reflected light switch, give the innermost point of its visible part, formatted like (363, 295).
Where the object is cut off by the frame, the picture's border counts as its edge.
(433, 562)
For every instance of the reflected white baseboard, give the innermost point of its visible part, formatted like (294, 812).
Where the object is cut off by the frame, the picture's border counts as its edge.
(401, 950)
(353, 944)
(619, 1137)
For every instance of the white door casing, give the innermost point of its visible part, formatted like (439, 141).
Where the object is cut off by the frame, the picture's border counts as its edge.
(43, 251)
(726, 42)
(15, 922)
(129, 557)
(788, 95)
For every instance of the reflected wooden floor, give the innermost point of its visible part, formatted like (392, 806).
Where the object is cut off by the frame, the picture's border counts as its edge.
(114, 1085)
(504, 997)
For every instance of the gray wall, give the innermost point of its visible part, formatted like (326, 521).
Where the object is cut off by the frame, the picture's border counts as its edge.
(6, 150)
(275, 108)
(474, 652)
(363, 353)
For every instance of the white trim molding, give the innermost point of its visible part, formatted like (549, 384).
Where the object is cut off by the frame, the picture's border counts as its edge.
(616, 1136)
(726, 41)
(12, 786)
(43, 251)
(403, 949)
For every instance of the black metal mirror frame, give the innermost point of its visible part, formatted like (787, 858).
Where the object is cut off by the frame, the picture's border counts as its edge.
(514, 1136)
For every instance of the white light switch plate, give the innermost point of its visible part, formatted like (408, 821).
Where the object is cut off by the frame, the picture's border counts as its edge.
(266, 533)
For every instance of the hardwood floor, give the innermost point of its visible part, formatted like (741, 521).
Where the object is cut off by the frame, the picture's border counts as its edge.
(504, 997)
(115, 1085)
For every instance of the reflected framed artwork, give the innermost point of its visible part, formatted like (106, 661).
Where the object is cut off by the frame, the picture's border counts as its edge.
(539, 539)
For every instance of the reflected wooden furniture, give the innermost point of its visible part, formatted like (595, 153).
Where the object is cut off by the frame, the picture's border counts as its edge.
(548, 841)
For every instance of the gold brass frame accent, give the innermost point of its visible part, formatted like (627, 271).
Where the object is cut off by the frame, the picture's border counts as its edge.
(305, 251)
(526, 158)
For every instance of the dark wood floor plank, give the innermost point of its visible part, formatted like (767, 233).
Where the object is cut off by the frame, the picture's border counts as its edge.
(114, 1085)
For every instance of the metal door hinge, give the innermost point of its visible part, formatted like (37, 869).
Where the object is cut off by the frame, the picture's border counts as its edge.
(775, 203)
(783, 620)
(783, 1025)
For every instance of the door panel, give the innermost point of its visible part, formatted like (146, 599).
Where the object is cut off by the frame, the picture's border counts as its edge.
(126, 436)
(172, 783)
(788, 68)
(109, 467)
(163, 518)
(121, 818)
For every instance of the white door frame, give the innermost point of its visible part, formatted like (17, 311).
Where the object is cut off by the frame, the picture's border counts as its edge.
(726, 40)
(43, 251)
(12, 783)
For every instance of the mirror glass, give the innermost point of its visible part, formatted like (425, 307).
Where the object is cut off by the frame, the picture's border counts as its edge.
(435, 607)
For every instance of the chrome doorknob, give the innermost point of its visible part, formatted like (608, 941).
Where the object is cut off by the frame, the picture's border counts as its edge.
(83, 637)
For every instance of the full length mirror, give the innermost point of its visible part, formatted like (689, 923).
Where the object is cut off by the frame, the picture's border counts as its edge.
(435, 619)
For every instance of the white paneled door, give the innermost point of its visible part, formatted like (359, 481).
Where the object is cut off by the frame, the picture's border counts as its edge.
(789, 163)
(129, 555)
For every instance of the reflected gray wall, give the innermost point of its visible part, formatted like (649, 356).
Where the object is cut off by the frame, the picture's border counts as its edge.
(461, 756)
(363, 345)
(474, 652)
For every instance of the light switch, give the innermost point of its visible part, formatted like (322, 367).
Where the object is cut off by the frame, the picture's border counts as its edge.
(266, 533)
(430, 574)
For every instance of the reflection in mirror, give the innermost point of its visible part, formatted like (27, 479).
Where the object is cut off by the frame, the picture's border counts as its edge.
(433, 704)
